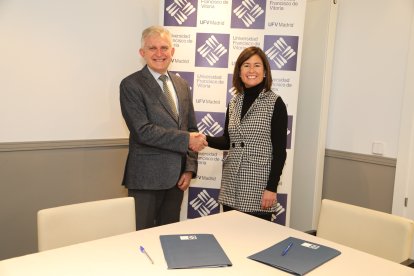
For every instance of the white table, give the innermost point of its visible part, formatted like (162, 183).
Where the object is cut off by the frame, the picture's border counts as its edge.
(240, 236)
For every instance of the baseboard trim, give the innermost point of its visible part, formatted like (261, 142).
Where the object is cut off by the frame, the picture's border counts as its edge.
(68, 144)
(373, 159)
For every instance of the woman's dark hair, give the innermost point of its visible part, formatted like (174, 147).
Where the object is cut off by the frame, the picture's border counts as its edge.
(245, 55)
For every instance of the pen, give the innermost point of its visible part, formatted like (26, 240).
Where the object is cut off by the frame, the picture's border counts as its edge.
(287, 249)
(145, 252)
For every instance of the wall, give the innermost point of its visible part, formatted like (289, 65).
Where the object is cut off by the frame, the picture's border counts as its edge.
(61, 65)
(359, 179)
(40, 175)
(371, 47)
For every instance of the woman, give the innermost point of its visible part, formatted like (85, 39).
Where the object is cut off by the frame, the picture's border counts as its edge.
(255, 134)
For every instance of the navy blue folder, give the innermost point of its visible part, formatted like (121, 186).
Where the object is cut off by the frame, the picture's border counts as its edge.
(192, 251)
(301, 257)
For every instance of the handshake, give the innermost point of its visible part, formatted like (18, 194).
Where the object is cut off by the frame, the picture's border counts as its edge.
(197, 141)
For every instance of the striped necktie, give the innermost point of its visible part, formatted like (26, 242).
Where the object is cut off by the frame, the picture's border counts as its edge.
(168, 94)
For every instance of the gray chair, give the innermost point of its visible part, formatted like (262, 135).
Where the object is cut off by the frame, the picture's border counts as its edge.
(381, 234)
(75, 223)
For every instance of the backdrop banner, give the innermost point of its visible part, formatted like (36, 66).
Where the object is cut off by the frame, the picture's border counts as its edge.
(208, 36)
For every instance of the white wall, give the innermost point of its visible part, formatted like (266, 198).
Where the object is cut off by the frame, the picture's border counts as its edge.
(61, 65)
(371, 47)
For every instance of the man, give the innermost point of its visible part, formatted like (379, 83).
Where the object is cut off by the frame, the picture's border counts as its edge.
(163, 139)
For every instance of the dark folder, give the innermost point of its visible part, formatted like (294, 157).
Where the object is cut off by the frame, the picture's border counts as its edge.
(300, 258)
(193, 250)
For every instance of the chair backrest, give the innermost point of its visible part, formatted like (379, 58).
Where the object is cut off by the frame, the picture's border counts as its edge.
(70, 224)
(381, 234)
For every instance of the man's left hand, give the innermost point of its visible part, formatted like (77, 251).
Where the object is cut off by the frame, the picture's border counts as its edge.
(184, 181)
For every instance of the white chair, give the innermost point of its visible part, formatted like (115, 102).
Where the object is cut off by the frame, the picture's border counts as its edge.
(381, 234)
(70, 224)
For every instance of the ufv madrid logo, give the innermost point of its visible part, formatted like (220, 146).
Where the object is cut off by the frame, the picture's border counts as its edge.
(279, 216)
(230, 94)
(279, 210)
(188, 76)
(212, 50)
(289, 132)
(204, 204)
(282, 52)
(209, 126)
(248, 11)
(231, 90)
(179, 10)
